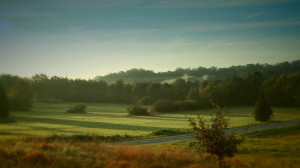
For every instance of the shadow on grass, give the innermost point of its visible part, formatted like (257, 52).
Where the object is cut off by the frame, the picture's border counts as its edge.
(6, 120)
(87, 124)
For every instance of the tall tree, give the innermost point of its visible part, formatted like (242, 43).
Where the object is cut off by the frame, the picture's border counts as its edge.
(20, 96)
(4, 106)
(262, 111)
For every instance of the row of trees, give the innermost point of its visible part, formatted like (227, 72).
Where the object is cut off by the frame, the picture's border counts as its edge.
(139, 75)
(283, 90)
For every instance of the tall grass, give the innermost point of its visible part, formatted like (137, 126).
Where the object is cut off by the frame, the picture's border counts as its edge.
(278, 149)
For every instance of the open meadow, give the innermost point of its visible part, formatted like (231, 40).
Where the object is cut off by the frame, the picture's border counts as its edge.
(45, 119)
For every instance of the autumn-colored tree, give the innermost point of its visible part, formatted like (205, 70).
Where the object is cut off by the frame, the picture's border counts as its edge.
(262, 111)
(4, 106)
(20, 96)
(211, 138)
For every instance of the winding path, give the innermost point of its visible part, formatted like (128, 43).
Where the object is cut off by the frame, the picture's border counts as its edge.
(190, 136)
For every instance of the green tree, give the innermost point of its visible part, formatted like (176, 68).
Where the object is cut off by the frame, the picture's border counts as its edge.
(262, 111)
(20, 96)
(211, 138)
(39, 84)
(4, 106)
(193, 94)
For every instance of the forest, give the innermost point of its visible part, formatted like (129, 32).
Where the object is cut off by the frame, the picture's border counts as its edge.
(213, 73)
(239, 85)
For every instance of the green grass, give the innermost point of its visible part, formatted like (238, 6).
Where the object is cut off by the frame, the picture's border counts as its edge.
(274, 148)
(279, 142)
(46, 119)
(278, 147)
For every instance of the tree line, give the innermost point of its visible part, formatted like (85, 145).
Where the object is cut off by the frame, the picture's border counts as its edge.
(282, 90)
(214, 73)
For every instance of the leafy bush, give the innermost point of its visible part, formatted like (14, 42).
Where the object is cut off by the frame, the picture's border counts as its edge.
(77, 108)
(211, 137)
(163, 105)
(170, 132)
(137, 110)
(146, 100)
(191, 105)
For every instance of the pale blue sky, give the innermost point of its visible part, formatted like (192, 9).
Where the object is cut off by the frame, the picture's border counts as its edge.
(86, 38)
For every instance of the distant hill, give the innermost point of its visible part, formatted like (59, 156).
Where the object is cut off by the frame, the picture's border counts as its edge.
(201, 73)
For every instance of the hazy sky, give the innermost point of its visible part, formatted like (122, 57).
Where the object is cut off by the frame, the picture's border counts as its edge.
(86, 38)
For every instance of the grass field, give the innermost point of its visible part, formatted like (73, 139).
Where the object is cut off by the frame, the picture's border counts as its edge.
(275, 148)
(45, 119)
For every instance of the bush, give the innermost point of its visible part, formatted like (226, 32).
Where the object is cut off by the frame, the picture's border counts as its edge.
(36, 157)
(170, 132)
(77, 108)
(191, 105)
(211, 137)
(146, 100)
(137, 110)
(163, 105)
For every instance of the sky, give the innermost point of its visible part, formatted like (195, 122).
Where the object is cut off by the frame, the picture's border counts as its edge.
(89, 38)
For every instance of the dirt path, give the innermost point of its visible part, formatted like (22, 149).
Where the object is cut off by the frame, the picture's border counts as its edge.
(190, 136)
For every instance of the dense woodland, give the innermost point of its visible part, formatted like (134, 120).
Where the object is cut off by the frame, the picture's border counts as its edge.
(213, 73)
(239, 85)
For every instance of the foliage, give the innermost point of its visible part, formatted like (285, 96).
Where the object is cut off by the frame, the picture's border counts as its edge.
(170, 132)
(20, 96)
(191, 105)
(283, 90)
(263, 111)
(4, 106)
(146, 100)
(224, 86)
(141, 75)
(166, 105)
(163, 105)
(232, 91)
(77, 108)
(137, 110)
(212, 138)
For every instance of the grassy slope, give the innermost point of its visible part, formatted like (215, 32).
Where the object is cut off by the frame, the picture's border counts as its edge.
(112, 119)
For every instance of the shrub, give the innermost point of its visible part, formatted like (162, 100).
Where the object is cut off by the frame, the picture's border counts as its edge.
(77, 108)
(163, 105)
(178, 105)
(137, 110)
(36, 157)
(170, 132)
(146, 100)
(191, 105)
